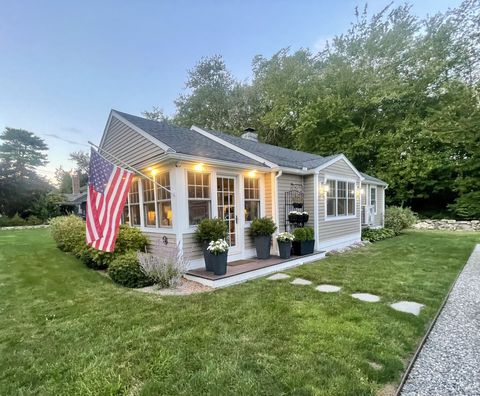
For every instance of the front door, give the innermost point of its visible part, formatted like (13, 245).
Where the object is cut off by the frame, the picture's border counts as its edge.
(226, 204)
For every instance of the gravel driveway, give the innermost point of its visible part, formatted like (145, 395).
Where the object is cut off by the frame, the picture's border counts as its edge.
(449, 363)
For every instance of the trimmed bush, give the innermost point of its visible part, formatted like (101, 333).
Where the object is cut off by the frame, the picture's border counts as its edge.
(68, 233)
(304, 234)
(262, 227)
(18, 221)
(125, 270)
(211, 230)
(129, 238)
(378, 234)
(398, 218)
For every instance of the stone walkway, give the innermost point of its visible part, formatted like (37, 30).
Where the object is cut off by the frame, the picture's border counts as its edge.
(449, 362)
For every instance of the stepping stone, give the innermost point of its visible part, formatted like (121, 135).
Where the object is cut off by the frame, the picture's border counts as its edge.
(300, 281)
(408, 307)
(366, 297)
(328, 288)
(278, 276)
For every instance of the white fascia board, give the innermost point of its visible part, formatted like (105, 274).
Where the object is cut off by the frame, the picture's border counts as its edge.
(233, 147)
(336, 159)
(140, 131)
(209, 161)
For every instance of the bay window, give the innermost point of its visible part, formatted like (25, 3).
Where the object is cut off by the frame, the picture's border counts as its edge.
(252, 198)
(340, 198)
(199, 201)
(164, 204)
(148, 203)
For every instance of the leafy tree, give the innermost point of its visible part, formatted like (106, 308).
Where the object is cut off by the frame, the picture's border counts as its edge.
(156, 114)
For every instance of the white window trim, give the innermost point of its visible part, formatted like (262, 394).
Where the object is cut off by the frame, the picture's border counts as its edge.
(213, 188)
(139, 203)
(157, 201)
(346, 216)
(261, 198)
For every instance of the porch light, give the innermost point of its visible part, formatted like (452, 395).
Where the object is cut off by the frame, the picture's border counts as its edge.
(198, 167)
(152, 171)
(252, 173)
(324, 188)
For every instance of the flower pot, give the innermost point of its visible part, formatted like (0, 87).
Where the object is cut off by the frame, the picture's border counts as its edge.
(284, 249)
(305, 218)
(292, 218)
(297, 205)
(262, 245)
(219, 262)
(207, 256)
(301, 248)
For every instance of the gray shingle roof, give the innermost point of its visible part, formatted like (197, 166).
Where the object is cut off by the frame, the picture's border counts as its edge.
(186, 141)
(369, 178)
(278, 155)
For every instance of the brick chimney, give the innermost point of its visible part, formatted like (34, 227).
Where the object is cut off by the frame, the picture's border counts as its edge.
(75, 183)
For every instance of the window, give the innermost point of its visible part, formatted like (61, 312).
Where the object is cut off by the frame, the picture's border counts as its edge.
(148, 203)
(373, 199)
(340, 198)
(164, 204)
(252, 198)
(332, 198)
(198, 186)
(134, 204)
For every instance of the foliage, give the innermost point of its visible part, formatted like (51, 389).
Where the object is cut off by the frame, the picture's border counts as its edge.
(156, 114)
(218, 247)
(397, 218)
(17, 221)
(48, 205)
(128, 238)
(285, 237)
(165, 269)
(263, 226)
(211, 230)
(126, 271)
(68, 232)
(304, 234)
(467, 206)
(397, 94)
(20, 185)
(377, 234)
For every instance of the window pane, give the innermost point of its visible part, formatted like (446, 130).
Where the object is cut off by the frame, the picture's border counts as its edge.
(197, 211)
(342, 189)
(351, 206)
(165, 214)
(164, 180)
(252, 210)
(331, 207)
(331, 189)
(149, 213)
(135, 213)
(342, 210)
(125, 216)
(373, 196)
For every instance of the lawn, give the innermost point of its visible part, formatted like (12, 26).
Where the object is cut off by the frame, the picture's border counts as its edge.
(68, 330)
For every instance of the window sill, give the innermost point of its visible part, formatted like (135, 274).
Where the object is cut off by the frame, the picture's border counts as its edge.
(155, 230)
(336, 218)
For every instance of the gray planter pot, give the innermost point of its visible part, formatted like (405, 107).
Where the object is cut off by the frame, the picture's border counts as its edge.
(262, 245)
(219, 262)
(285, 249)
(207, 256)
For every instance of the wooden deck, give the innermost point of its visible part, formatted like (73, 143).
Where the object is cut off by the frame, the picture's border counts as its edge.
(243, 270)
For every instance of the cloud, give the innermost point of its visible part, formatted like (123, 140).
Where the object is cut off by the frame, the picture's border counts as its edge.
(71, 129)
(55, 136)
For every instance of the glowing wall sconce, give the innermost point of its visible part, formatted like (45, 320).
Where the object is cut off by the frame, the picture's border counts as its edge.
(324, 188)
(198, 167)
(252, 173)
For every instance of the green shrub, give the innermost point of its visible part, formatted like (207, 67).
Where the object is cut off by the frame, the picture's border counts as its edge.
(68, 233)
(377, 234)
(304, 234)
(262, 227)
(211, 230)
(467, 206)
(398, 218)
(34, 220)
(128, 238)
(125, 270)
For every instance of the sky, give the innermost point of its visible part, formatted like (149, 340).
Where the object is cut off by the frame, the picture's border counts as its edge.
(65, 64)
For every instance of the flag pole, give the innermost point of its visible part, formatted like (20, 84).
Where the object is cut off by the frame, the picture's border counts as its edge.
(130, 166)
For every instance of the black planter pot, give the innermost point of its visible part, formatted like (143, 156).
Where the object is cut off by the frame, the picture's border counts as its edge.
(207, 256)
(219, 262)
(305, 218)
(292, 218)
(297, 205)
(285, 249)
(301, 248)
(262, 245)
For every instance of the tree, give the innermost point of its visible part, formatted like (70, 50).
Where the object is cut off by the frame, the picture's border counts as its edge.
(20, 186)
(156, 114)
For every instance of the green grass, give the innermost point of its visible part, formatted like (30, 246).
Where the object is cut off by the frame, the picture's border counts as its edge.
(67, 330)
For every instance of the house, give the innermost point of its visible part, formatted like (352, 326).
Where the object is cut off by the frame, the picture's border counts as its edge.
(213, 174)
(76, 202)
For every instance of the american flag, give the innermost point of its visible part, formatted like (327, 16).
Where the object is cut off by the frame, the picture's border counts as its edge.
(108, 187)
